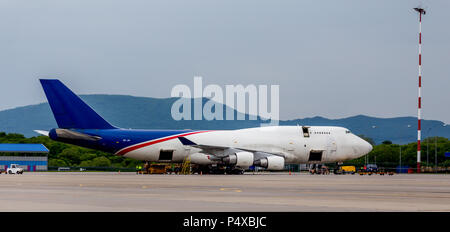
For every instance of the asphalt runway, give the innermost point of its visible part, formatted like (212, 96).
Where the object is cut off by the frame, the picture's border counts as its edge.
(105, 192)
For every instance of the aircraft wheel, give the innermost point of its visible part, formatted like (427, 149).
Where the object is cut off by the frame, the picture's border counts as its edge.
(236, 172)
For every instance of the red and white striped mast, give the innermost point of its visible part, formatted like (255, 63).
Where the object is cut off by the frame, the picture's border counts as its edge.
(420, 11)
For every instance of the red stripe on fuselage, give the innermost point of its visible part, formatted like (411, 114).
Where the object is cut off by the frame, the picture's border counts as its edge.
(135, 147)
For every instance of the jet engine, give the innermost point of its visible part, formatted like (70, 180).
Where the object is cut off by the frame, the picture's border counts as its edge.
(202, 159)
(241, 159)
(271, 163)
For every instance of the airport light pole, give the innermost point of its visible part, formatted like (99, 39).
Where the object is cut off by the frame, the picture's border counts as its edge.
(400, 165)
(428, 143)
(435, 152)
(435, 144)
(367, 155)
(420, 11)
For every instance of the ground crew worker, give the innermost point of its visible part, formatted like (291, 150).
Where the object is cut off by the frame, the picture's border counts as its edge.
(146, 166)
(138, 168)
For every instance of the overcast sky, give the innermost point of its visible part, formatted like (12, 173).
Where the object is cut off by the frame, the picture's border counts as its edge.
(331, 58)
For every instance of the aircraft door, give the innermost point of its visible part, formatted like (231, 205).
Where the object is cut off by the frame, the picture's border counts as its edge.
(315, 156)
(331, 148)
(305, 130)
(165, 155)
(302, 146)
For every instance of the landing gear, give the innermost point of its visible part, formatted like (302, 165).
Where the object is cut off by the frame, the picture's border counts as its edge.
(234, 171)
(319, 169)
(218, 170)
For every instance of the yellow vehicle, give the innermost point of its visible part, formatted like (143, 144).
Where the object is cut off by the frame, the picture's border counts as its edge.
(153, 168)
(345, 170)
(349, 169)
(157, 169)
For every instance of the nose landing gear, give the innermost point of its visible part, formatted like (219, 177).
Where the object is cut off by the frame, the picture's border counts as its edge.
(319, 169)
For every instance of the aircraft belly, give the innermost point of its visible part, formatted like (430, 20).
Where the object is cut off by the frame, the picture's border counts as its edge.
(152, 152)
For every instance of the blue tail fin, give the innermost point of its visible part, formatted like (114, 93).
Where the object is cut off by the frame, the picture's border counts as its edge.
(69, 110)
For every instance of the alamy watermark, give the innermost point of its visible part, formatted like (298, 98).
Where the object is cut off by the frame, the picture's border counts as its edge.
(236, 97)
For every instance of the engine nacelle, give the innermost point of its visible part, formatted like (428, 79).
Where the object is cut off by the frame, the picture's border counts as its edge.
(200, 158)
(271, 163)
(241, 159)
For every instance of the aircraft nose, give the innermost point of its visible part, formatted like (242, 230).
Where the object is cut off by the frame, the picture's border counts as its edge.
(364, 146)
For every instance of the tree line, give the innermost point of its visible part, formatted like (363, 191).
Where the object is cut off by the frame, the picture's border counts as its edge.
(391, 155)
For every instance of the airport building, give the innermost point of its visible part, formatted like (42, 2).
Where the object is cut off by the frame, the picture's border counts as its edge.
(30, 157)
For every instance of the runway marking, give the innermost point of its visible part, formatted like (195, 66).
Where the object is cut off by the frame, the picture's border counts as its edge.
(231, 189)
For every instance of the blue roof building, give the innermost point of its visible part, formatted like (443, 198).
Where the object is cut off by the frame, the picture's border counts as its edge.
(33, 156)
(23, 148)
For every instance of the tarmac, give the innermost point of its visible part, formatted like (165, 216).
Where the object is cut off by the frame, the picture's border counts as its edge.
(280, 192)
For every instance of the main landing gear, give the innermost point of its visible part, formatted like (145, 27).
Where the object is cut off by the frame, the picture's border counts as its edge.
(217, 170)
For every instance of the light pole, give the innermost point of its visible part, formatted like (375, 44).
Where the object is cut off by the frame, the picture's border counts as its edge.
(367, 155)
(435, 154)
(428, 141)
(435, 151)
(400, 165)
(400, 158)
(435, 145)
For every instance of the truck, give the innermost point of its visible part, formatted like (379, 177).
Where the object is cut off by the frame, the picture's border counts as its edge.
(373, 168)
(345, 170)
(14, 169)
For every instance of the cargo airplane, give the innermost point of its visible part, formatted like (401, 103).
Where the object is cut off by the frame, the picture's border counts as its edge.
(232, 150)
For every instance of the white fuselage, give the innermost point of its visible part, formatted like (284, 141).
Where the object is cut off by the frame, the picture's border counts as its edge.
(335, 144)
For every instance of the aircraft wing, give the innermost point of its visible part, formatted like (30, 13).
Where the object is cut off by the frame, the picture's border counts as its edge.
(221, 151)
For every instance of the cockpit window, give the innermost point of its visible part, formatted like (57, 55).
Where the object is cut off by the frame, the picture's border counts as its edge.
(347, 132)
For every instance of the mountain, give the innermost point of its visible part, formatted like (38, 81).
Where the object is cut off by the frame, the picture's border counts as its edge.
(153, 113)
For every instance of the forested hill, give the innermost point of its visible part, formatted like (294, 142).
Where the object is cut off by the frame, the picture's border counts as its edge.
(145, 113)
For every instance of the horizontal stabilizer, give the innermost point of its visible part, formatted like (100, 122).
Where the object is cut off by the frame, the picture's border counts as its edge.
(42, 132)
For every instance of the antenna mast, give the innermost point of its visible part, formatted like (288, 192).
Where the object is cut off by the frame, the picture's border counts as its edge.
(420, 11)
